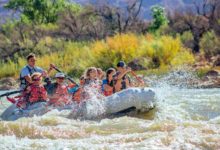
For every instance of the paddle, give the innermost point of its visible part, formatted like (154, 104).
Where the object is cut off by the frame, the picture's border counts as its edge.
(138, 78)
(68, 77)
(10, 93)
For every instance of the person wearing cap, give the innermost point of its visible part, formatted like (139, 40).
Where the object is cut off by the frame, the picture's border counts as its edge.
(28, 70)
(58, 91)
(121, 79)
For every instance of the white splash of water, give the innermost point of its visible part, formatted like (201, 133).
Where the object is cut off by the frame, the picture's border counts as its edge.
(166, 88)
(94, 103)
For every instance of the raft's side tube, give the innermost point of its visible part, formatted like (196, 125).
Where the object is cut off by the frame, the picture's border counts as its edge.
(140, 98)
(13, 113)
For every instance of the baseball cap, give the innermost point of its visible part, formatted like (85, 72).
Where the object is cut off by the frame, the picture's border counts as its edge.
(121, 64)
(60, 75)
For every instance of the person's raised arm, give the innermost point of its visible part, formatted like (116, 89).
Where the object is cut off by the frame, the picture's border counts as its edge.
(122, 74)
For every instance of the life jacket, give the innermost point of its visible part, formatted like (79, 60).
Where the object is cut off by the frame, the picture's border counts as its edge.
(23, 81)
(123, 81)
(77, 96)
(108, 93)
(75, 90)
(62, 96)
(37, 93)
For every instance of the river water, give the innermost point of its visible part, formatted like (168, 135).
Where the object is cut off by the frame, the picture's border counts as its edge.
(184, 119)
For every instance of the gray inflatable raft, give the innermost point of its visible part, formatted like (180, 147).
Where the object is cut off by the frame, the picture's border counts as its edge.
(13, 113)
(142, 99)
(139, 98)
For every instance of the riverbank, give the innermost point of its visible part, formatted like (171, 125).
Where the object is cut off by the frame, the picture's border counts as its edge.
(148, 54)
(8, 83)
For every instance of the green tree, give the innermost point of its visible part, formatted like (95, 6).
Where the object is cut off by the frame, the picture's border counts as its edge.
(38, 11)
(159, 18)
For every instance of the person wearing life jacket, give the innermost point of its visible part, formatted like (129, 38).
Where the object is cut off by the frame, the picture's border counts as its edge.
(28, 70)
(91, 79)
(92, 86)
(35, 92)
(121, 79)
(78, 91)
(89, 82)
(108, 84)
(91, 76)
(58, 91)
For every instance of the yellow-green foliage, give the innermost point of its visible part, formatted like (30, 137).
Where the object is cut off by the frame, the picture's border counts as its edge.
(210, 44)
(120, 47)
(47, 27)
(127, 47)
(183, 57)
(75, 57)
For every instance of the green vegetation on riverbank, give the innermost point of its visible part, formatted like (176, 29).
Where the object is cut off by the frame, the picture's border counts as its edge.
(75, 37)
(154, 52)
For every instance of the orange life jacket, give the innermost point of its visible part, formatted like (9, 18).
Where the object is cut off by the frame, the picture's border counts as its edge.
(37, 93)
(62, 96)
(77, 96)
(111, 84)
(108, 93)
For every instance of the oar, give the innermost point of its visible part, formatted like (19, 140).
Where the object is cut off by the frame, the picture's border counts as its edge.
(48, 72)
(10, 93)
(138, 78)
(68, 77)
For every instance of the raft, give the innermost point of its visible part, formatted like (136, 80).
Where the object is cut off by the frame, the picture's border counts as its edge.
(141, 99)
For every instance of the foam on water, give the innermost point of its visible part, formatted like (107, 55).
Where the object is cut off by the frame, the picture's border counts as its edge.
(184, 118)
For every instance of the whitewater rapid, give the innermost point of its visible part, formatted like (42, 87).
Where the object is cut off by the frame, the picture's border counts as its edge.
(183, 119)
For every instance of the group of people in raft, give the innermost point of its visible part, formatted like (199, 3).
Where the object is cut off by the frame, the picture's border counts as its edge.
(59, 93)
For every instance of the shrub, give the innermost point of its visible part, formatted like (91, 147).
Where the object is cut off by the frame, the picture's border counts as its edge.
(159, 18)
(187, 39)
(158, 53)
(210, 44)
(120, 47)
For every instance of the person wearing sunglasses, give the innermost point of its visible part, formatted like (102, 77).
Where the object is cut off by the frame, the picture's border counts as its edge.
(58, 91)
(36, 92)
(28, 70)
